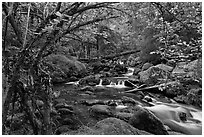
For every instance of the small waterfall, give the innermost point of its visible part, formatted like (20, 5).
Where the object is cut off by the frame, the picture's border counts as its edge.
(130, 72)
(120, 84)
(112, 84)
(73, 83)
(100, 83)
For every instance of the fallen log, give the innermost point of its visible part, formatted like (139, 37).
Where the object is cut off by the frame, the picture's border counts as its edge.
(109, 57)
(120, 54)
(158, 89)
(152, 89)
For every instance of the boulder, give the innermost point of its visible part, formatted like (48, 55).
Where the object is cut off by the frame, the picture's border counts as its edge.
(175, 133)
(63, 105)
(91, 80)
(87, 88)
(62, 129)
(83, 130)
(192, 69)
(145, 120)
(108, 126)
(153, 75)
(69, 125)
(62, 68)
(72, 122)
(164, 67)
(114, 126)
(65, 111)
(123, 116)
(129, 100)
(146, 66)
(106, 81)
(173, 89)
(100, 111)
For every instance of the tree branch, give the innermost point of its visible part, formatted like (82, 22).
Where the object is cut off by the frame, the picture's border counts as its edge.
(120, 10)
(161, 8)
(28, 16)
(95, 6)
(5, 33)
(91, 22)
(12, 22)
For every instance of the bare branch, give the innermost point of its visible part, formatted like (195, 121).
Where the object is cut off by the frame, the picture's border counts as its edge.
(122, 11)
(28, 16)
(72, 20)
(12, 21)
(91, 22)
(95, 6)
(162, 9)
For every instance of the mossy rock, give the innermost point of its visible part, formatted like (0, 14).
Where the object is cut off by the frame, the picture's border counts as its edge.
(61, 68)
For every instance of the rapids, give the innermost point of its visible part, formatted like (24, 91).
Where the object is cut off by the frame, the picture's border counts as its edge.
(179, 117)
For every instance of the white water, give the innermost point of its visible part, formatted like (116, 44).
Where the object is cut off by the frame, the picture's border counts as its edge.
(100, 83)
(168, 113)
(120, 84)
(130, 72)
(112, 84)
(72, 83)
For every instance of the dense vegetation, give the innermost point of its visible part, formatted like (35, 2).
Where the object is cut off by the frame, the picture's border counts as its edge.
(37, 35)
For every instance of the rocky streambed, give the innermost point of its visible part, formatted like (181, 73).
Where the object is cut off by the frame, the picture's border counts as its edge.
(106, 108)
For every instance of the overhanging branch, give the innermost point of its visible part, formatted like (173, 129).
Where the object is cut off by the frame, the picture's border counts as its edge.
(91, 22)
(12, 22)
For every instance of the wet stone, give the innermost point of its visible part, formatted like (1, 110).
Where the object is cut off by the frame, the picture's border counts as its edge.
(65, 111)
(87, 88)
(144, 120)
(64, 105)
(130, 100)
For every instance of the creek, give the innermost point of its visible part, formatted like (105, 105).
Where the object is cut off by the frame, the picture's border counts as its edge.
(167, 110)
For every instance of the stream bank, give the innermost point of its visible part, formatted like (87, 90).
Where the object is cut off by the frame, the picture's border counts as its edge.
(90, 104)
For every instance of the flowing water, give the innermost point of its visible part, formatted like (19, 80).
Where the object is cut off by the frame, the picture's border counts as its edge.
(169, 113)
